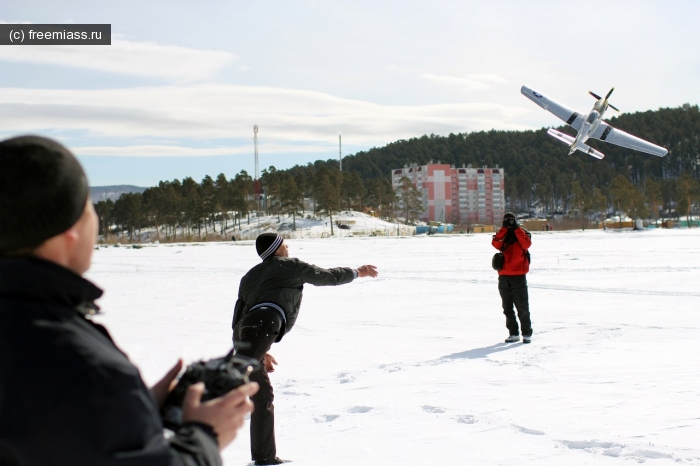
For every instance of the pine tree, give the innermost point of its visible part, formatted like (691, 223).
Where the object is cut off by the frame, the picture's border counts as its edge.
(221, 199)
(291, 197)
(327, 192)
(410, 199)
(581, 202)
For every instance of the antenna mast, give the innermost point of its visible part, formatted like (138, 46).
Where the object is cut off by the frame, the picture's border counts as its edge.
(255, 139)
(340, 152)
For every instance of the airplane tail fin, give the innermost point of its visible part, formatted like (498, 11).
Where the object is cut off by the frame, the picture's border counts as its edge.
(565, 138)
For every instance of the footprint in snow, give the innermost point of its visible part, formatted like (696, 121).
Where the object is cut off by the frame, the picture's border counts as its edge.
(390, 367)
(525, 430)
(360, 409)
(432, 409)
(288, 384)
(294, 393)
(345, 377)
(615, 450)
(466, 419)
(327, 418)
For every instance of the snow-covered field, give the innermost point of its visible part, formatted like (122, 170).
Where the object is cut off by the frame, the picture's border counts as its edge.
(411, 369)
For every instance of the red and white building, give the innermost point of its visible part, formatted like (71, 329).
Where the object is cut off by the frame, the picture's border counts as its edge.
(463, 196)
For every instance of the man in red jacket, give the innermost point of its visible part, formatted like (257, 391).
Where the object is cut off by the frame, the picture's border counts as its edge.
(514, 241)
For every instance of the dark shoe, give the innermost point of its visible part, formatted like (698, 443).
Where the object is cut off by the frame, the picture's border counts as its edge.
(275, 460)
(513, 339)
(527, 338)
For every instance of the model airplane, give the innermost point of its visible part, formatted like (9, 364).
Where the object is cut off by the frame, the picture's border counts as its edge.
(590, 126)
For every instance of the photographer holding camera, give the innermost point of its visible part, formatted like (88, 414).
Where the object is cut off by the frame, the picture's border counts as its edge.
(68, 395)
(514, 242)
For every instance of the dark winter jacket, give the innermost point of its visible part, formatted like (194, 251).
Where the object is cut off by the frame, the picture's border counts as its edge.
(280, 280)
(513, 244)
(68, 395)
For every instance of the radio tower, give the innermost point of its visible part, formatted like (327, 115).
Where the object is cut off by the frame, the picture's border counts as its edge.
(256, 182)
(340, 152)
(255, 139)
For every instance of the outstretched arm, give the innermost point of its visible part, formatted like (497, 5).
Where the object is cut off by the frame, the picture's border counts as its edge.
(334, 276)
(325, 277)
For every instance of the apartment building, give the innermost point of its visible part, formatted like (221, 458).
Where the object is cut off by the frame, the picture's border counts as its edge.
(463, 196)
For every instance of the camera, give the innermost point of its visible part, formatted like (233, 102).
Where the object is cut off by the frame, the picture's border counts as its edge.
(510, 222)
(220, 376)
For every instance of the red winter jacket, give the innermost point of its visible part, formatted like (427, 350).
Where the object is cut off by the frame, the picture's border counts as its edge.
(516, 262)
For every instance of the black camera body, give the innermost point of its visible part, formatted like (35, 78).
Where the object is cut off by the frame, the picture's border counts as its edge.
(510, 222)
(220, 376)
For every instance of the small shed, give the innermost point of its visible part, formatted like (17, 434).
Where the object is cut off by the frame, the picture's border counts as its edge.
(619, 222)
(534, 224)
(478, 228)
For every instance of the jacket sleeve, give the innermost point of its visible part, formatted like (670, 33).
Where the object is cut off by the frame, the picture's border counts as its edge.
(523, 237)
(325, 277)
(497, 241)
(239, 308)
(195, 444)
(116, 423)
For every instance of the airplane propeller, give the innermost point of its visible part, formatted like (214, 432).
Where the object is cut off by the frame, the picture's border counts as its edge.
(606, 98)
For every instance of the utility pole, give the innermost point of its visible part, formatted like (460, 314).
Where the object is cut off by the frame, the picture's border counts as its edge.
(256, 180)
(255, 139)
(340, 152)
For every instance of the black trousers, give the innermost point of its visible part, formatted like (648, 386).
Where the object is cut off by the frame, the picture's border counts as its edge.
(513, 291)
(253, 337)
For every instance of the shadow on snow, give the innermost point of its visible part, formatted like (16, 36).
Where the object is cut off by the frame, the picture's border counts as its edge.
(477, 353)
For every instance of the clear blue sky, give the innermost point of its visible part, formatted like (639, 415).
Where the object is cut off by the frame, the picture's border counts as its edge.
(180, 88)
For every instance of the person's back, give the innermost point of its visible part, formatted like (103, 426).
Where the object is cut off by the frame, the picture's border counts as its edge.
(280, 280)
(57, 369)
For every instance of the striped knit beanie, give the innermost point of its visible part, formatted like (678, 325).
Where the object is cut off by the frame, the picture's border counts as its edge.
(267, 243)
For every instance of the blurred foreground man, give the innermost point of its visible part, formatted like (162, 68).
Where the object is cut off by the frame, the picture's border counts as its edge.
(269, 298)
(514, 242)
(68, 395)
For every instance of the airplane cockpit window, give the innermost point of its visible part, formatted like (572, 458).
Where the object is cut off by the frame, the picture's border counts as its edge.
(592, 117)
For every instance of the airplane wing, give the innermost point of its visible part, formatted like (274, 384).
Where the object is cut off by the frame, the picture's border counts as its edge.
(568, 116)
(565, 138)
(607, 133)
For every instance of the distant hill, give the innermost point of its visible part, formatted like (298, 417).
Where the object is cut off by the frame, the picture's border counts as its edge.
(102, 193)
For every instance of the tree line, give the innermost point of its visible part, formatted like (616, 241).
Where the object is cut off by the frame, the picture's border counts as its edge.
(537, 173)
(180, 209)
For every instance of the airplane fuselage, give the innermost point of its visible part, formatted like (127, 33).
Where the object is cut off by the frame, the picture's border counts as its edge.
(593, 120)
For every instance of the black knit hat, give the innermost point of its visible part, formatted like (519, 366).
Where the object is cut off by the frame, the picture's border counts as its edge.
(43, 191)
(267, 243)
(509, 215)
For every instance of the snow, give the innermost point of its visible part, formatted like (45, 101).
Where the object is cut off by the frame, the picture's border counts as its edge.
(309, 225)
(410, 368)
(312, 226)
